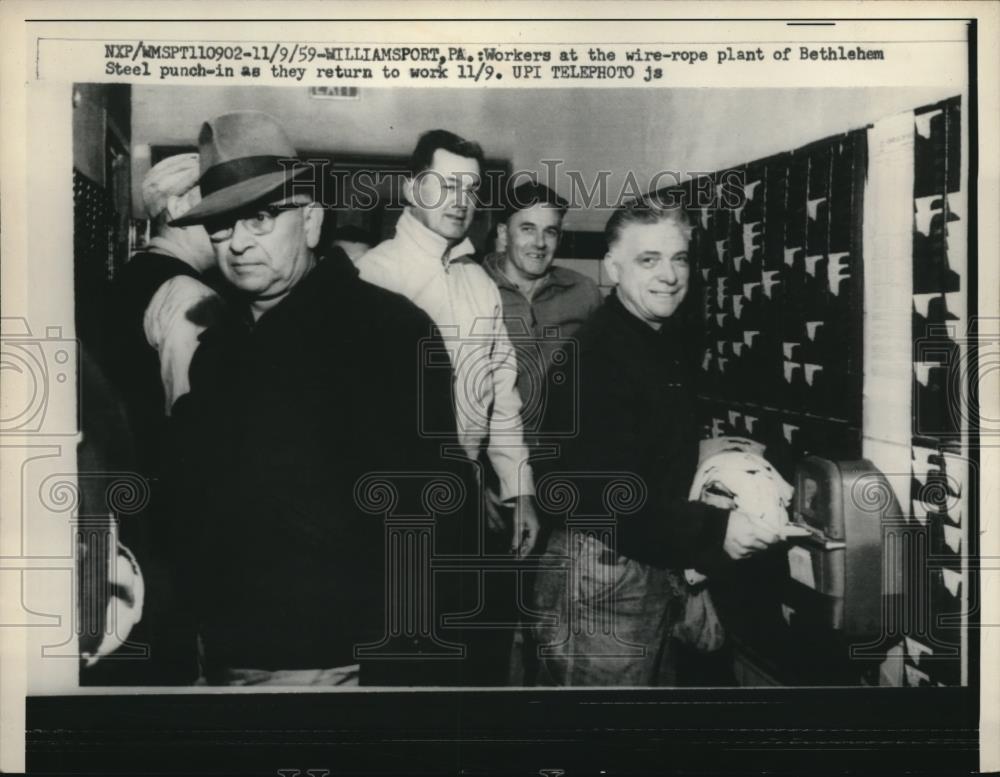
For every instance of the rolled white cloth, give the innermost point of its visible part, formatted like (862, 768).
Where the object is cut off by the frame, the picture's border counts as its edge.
(755, 486)
(736, 473)
(173, 334)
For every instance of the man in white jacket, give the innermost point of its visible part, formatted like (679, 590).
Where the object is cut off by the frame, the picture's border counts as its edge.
(429, 261)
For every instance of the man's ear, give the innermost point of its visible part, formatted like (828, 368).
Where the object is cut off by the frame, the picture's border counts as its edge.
(611, 267)
(502, 237)
(176, 206)
(408, 184)
(313, 221)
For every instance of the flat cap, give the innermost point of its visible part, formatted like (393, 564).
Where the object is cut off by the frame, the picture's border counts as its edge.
(173, 176)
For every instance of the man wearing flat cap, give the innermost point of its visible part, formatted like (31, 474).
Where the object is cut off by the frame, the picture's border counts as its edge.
(543, 304)
(310, 385)
(157, 288)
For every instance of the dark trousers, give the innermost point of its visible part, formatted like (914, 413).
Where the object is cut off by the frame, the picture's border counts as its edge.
(473, 620)
(489, 634)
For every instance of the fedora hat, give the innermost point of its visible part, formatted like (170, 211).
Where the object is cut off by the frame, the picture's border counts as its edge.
(243, 157)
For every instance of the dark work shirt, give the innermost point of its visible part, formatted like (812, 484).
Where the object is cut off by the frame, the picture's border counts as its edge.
(628, 407)
(539, 327)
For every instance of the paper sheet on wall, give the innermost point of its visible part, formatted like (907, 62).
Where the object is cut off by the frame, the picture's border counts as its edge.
(888, 252)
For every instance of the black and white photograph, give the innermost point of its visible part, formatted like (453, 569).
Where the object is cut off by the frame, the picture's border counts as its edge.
(554, 419)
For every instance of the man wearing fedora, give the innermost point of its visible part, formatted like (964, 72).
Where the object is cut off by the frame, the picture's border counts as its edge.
(545, 303)
(309, 385)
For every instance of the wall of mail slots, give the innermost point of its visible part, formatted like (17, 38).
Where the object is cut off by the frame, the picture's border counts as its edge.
(781, 278)
(940, 485)
(781, 281)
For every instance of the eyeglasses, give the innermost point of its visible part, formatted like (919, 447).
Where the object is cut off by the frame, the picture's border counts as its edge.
(258, 223)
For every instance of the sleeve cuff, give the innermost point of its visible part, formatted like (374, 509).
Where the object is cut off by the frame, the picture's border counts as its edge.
(711, 559)
(514, 481)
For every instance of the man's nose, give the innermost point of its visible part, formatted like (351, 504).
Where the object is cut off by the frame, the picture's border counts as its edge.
(241, 239)
(465, 198)
(666, 272)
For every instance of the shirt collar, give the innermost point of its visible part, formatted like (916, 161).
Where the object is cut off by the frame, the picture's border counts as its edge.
(630, 320)
(492, 266)
(331, 277)
(554, 277)
(430, 243)
(164, 245)
(670, 337)
(559, 276)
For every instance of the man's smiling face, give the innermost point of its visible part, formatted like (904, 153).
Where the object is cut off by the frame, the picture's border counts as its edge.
(532, 237)
(649, 264)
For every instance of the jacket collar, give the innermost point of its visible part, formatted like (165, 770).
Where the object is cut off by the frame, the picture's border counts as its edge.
(428, 243)
(332, 277)
(672, 344)
(556, 276)
(164, 245)
(667, 334)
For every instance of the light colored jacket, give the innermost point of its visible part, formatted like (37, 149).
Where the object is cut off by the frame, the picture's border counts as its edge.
(450, 286)
(167, 325)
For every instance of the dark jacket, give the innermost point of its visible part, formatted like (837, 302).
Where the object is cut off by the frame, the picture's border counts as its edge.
(133, 366)
(629, 400)
(283, 418)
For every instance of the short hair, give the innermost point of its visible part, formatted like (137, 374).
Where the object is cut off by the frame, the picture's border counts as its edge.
(529, 194)
(352, 234)
(423, 155)
(688, 319)
(644, 212)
